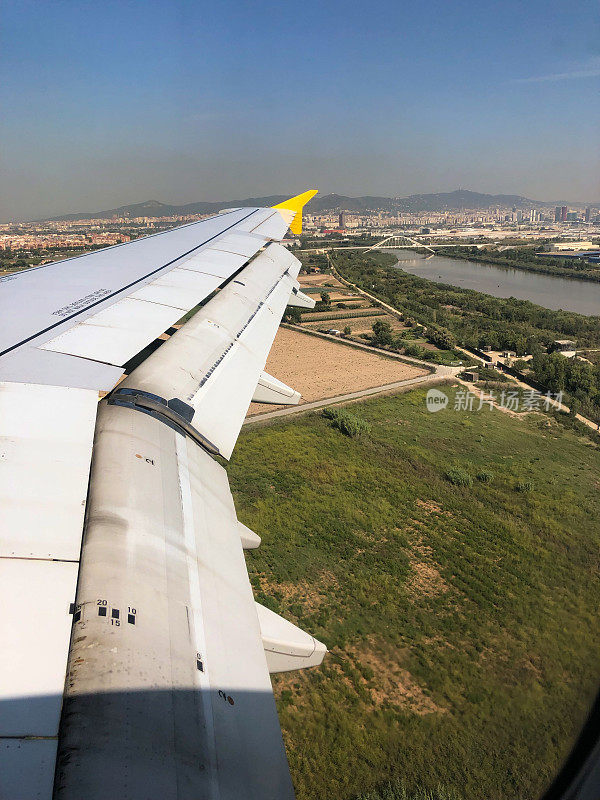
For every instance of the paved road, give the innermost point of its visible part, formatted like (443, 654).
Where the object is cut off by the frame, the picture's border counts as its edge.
(427, 380)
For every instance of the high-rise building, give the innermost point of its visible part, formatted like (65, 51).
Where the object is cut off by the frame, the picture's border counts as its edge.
(557, 214)
(563, 213)
(342, 220)
(588, 214)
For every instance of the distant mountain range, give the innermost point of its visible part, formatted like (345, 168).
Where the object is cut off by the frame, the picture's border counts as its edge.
(441, 201)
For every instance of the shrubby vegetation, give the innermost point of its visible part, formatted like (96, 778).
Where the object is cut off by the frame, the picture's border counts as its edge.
(489, 374)
(396, 790)
(458, 619)
(478, 320)
(292, 314)
(458, 476)
(523, 486)
(485, 476)
(349, 424)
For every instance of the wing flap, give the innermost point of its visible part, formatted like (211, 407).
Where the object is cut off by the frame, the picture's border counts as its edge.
(214, 362)
(34, 596)
(45, 448)
(287, 647)
(27, 768)
(46, 435)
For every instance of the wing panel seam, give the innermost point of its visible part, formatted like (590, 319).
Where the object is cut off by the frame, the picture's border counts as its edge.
(123, 288)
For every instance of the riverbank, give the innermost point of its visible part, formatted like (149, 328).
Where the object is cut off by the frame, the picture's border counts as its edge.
(549, 291)
(471, 319)
(576, 270)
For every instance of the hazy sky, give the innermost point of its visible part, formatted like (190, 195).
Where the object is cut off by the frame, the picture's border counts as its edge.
(105, 103)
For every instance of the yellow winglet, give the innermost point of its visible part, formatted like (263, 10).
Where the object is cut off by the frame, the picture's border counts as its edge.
(296, 204)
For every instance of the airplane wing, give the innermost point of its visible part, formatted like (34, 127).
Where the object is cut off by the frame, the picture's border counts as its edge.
(137, 662)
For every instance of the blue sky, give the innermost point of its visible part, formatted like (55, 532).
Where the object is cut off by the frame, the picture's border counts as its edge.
(106, 103)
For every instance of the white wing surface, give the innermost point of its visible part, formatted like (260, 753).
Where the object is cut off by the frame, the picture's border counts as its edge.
(167, 691)
(104, 307)
(214, 363)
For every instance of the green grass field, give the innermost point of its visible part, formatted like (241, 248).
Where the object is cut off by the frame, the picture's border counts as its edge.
(461, 620)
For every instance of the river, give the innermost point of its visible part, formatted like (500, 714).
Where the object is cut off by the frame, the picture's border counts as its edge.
(544, 290)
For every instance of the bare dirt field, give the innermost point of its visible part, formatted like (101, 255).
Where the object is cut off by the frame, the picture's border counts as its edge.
(319, 280)
(337, 297)
(319, 368)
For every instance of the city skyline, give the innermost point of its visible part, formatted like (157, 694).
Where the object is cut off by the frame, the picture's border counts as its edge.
(111, 105)
(158, 209)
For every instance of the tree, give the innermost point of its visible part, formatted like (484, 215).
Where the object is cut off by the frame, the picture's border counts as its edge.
(325, 298)
(574, 407)
(441, 337)
(520, 345)
(347, 330)
(414, 350)
(292, 314)
(382, 333)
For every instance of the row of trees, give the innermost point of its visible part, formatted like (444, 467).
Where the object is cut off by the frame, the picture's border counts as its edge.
(471, 317)
(463, 316)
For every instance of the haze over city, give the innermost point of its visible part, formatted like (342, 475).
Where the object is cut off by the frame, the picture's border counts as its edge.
(116, 103)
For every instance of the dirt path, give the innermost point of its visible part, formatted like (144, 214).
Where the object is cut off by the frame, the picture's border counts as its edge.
(398, 386)
(559, 406)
